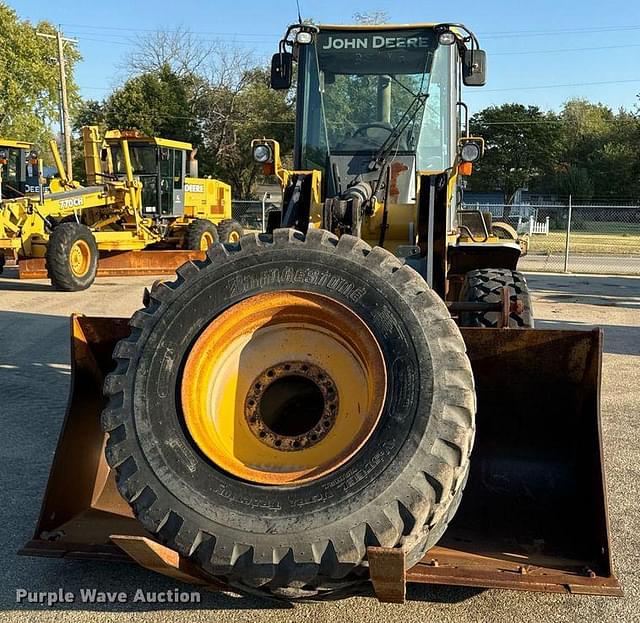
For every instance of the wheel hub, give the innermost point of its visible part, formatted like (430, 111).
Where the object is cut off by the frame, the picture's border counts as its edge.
(292, 387)
(283, 387)
(80, 258)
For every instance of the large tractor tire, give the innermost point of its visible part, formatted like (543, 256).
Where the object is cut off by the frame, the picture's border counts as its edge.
(286, 403)
(230, 231)
(3, 261)
(72, 257)
(485, 286)
(200, 235)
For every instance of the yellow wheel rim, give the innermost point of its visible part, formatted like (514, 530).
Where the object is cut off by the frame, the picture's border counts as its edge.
(80, 258)
(206, 241)
(283, 387)
(234, 236)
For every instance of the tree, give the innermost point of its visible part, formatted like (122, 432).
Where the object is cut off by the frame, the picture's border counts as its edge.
(155, 103)
(371, 17)
(522, 145)
(179, 49)
(233, 116)
(29, 79)
(604, 145)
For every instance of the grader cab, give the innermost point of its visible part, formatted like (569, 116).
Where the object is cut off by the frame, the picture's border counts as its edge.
(143, 193)
(19, 169)
(298, 413)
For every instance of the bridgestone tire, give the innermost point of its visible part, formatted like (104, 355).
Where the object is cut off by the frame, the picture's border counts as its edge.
(485, 286)
(305, 541)
(227, 228)
(195, 230)
(58, 264)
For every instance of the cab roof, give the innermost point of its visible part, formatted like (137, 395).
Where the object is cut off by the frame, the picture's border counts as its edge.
(137, 137)
(5, 142)
(376, 26)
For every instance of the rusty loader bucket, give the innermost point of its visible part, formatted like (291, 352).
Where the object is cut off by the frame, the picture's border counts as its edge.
(533, 514)
(120, 263)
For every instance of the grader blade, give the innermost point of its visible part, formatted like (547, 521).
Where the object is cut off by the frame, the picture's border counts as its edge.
(120, 263)
(533, 514)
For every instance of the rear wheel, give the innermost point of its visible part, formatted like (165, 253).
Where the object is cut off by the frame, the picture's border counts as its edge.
(286, 403)
(200, 235)
(72, 257)
(230, 231)
(485, 286)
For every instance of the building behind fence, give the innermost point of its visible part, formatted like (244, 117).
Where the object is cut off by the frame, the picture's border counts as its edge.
(563, 236)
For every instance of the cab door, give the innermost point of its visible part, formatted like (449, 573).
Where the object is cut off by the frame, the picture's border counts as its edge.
(172, 171)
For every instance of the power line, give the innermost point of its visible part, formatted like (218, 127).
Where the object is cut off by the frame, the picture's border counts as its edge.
(556, 86)
(604, 47)
(563, 31)
(488, 34)
(160, 29)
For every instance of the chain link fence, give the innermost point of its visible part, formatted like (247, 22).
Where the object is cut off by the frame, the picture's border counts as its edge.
(565, 237)
(252, 215)
(562, 237)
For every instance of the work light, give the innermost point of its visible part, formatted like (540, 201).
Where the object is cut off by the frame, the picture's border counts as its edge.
(303, 37)
(262, 153)
(446, 37)
(470, 152)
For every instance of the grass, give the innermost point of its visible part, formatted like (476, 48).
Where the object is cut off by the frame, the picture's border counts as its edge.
(591, 237)
(623, 242)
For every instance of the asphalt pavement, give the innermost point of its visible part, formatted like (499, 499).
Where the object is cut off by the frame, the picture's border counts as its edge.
(34, 378)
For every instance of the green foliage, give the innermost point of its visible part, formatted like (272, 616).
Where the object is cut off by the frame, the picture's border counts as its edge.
(587, 150)
(522, 144)
(156, 103)
(240, 113)
(29, 79)
(605, 145)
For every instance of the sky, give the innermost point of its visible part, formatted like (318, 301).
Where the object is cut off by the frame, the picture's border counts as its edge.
(540, 52)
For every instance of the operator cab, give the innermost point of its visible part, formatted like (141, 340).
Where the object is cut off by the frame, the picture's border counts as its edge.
(372, 97)
(159, 164)
(20, 172)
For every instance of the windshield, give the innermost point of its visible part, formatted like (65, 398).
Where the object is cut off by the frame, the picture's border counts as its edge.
(143, 159)
(362, 90)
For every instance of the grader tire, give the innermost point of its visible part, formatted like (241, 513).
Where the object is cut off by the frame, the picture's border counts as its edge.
(72, 257)
(485, 286)
(277, 533)
(230, 231)
(200, 235)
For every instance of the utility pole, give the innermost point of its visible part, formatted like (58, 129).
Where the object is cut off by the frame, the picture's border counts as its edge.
(64, 104)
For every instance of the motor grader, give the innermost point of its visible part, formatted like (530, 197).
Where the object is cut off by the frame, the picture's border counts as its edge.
(142, 193)
(302, 412)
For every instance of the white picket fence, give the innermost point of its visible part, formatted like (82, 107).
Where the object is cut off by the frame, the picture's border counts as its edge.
(534, 227)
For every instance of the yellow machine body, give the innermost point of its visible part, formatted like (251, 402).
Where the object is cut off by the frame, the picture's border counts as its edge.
(118, 206)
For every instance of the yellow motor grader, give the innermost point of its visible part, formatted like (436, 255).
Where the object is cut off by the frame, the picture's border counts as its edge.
(302, 412)
(142, 193)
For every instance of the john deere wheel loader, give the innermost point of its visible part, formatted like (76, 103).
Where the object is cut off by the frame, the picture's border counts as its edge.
(299, 413)
(143, 193)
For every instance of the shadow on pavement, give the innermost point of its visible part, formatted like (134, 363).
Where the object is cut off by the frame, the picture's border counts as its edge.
(621, 292)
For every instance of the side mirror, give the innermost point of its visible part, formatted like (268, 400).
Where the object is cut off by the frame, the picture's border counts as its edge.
(281, 71)
(103, 155)
(474, 68)
(164, 153)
